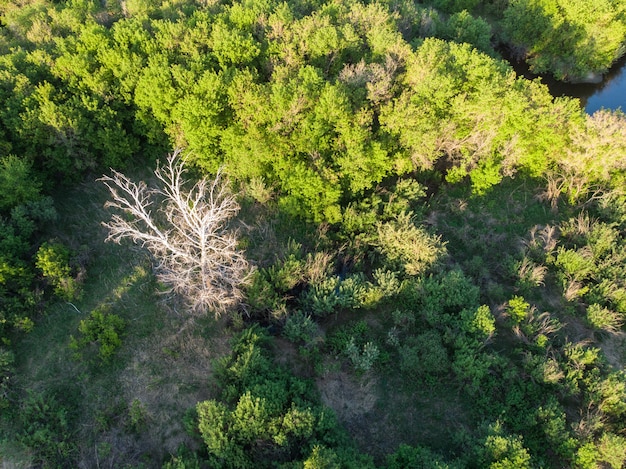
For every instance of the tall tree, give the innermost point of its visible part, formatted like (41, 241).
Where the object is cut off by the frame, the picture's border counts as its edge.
(189, 235)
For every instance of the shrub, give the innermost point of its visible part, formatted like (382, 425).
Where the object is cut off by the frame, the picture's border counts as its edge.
(463, 27)
(411, 457)
(45, 429)
(609, 394)
(424, 356)
(610, 449)
(53, 259)
(518, 309)
(402, 319)
(580, 359)
(408, 247)
(603, 318)
(184, 459)
(529, 274)
(137, 416)
(333, 293)
(339, 339)
(101, 329)
(322, 458)
(17, 184)
(445, 296)
(299, 327)
(479, 322)
(575, 265)
(261, 295)
(264, 416)
(543, 369)
(362, 358)
(7, 359)
(387, 282)
(471, 366)
(285, 275)
(502, 451)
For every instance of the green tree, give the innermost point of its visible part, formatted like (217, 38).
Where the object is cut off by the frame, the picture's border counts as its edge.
(18, 184)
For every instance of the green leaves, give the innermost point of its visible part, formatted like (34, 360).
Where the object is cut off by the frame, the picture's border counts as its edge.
(18, 184)
(231, 46)
(573, 40)
(408, 247)
(102, 330)
(53, 259)
(265, 415)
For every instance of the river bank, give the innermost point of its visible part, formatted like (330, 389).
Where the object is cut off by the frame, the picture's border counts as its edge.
(610, 93)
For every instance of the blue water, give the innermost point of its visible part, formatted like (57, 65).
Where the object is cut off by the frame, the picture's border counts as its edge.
(611, 93)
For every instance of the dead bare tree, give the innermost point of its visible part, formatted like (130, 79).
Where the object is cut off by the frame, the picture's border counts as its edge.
(189, 234)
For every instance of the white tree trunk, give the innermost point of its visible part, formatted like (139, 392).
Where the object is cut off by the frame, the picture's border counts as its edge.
(188, 233)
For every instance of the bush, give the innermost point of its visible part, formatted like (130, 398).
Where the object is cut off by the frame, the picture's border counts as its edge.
(502, 451)
(480, 322)
(603, 318)
(261, 295)
(445, 296)
(518, 309)
(575, 265)
(137, 416)
(300, 328)
(102, 330)
(184, 459)
(463, 27)
(362, 358)
(7, 358)
(334, 293)
(322, 458)
(264, 416)
(424, 356)
(416, 457)
(471, 366)
(610, 449)
(17, 184)
(407, 247)
(53, 259)
(339, 339)
(45, 429)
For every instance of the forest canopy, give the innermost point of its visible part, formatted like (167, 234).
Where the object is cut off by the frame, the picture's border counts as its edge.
(416, 214)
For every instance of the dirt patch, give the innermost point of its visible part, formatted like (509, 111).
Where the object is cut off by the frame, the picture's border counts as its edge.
(286, 355)
(380, 415)
(354, 401)
(614, 348)
(351, 398)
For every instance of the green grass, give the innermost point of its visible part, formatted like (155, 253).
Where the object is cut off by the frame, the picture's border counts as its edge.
(435, 415)
(484, 234)
(163, 366)
(131, 411)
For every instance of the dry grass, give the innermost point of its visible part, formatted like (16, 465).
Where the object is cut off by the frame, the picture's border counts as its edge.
(573, 290)
(531, 273)
(614, 348)
(350, 397)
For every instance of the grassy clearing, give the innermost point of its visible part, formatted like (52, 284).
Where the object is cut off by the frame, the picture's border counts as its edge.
(485, 234)
(129, 411)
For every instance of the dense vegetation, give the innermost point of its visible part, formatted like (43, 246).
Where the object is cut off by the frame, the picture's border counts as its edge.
(439, 245)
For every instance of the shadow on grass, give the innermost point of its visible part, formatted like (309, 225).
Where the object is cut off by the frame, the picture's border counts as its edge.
(129, 411)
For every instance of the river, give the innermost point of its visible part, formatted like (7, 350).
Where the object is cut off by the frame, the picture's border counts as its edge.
(610, 93)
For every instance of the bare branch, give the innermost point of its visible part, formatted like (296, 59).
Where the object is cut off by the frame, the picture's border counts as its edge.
(188, 235)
